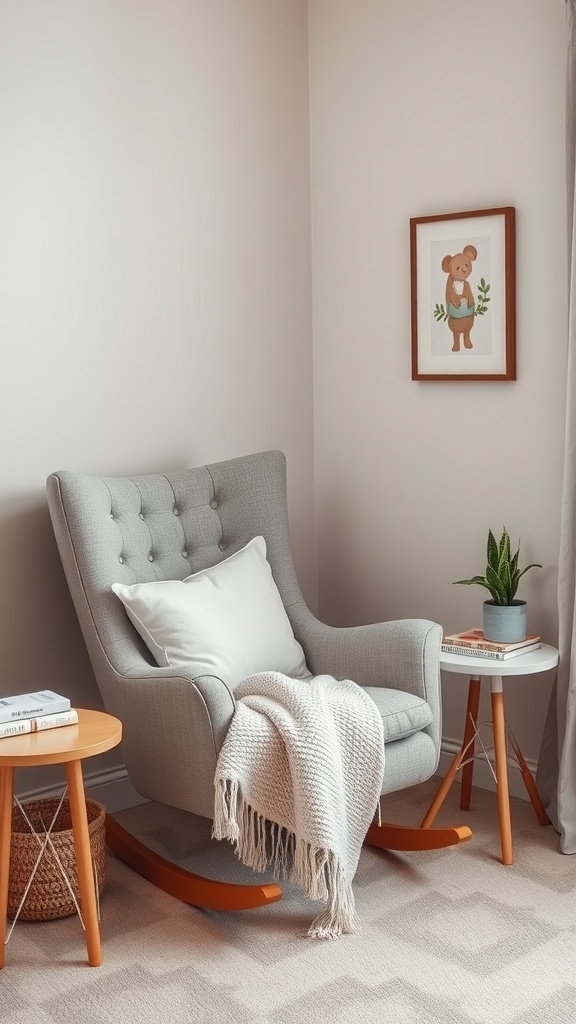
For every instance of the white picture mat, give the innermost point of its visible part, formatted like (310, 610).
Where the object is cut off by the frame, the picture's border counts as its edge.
(434, 240)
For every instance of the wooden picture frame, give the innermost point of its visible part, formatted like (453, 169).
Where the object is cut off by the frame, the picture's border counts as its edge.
(463, 304)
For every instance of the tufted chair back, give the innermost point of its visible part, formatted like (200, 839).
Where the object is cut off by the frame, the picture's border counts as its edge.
(166, 526)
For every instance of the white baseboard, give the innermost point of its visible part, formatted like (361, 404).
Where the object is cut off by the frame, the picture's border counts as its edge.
(115, 791)
(111, 788)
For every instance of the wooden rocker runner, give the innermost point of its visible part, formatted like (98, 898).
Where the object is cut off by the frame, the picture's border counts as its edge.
(211, 894)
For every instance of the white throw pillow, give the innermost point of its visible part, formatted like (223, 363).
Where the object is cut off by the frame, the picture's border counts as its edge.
(227, 620)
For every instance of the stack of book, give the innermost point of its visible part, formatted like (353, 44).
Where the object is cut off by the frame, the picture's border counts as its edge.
(472, 644)
(32, 712)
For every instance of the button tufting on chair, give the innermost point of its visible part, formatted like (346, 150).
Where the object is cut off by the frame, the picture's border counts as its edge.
(184, 554)
(150, 558)
(140, 516)
(213, 504)
(175, 511)
(121, 560)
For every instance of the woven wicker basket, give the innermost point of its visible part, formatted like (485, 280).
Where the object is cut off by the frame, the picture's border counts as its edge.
(49, 897)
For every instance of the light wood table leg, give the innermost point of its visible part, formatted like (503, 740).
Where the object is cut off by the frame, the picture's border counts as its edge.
(499, 728)
(86, 888)
(442, 791)
(466, 750)
(529, 783)
(6, 798)
(469, 744)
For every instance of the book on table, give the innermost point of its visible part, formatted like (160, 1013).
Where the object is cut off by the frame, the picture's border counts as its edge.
(476, 638)
(472, 642)
(39, 724)
(477, 652)
(32, 705)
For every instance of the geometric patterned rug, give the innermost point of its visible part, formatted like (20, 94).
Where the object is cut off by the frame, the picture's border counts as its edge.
(447, 937)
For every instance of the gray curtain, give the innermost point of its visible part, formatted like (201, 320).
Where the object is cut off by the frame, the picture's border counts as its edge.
(556, 776)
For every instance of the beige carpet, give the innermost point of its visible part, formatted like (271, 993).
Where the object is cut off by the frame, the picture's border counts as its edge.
(451, 937)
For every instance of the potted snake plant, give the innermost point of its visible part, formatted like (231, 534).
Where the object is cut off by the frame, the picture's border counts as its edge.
(504, 619)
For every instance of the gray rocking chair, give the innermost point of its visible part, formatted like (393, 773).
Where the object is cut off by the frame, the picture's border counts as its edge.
(141, 529)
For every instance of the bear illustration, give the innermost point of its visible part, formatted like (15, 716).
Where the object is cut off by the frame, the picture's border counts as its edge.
(459, 297)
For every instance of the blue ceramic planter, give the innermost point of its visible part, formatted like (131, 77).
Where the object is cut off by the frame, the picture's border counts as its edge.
(505, 623)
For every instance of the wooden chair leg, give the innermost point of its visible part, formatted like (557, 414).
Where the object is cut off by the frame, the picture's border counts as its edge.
(408, 838)
(183, 884)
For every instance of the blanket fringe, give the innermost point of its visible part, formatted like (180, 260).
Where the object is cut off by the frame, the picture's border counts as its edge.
(260, 843)
(339, 916)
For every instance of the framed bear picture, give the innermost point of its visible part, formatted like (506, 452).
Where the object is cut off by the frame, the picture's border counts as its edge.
(463, 279)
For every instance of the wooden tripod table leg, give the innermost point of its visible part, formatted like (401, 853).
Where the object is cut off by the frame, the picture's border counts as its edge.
(442, 791)
(468, 744)
(466, 750)
(83, 853)
(499, 728)
(530, 783)
(6, 797)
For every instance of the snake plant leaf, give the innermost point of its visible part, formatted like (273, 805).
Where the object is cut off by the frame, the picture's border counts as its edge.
(505, 577)
(533, 565)
(514, 561)
(480, 580)
(505, 573)
(496, 586)
(492, 551)
(504, 546)
(514, 584)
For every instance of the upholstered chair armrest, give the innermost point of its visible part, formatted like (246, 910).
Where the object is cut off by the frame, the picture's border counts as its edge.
(403, 654)
(177, 720)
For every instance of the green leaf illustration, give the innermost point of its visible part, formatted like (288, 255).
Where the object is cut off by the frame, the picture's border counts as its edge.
(440, 312)
(483, 298)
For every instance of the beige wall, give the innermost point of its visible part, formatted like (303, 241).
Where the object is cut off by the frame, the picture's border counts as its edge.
(154, 272)
(417, 109)
(156, 284)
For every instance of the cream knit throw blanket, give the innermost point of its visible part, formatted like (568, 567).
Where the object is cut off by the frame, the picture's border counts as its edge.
(298, 782)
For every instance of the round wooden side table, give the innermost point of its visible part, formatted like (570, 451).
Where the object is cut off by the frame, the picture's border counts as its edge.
(95, 732)
(541, 660)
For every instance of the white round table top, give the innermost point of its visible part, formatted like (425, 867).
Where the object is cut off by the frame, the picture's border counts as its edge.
(541, 660)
